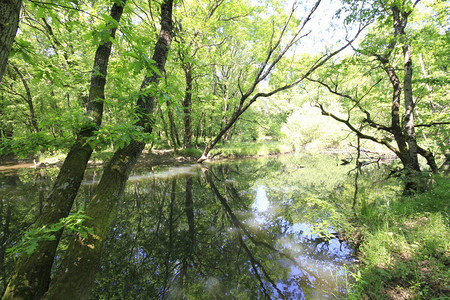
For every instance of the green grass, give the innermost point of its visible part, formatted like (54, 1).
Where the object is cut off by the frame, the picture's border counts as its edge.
(405, 253)
(190, 152)
(242, 149)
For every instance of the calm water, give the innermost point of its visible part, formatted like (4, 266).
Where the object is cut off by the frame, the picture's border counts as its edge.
(249, 229)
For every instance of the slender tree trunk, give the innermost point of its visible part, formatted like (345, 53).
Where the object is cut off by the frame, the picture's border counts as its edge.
(76, 274)
(166, 131)
(187, 103)
(445, 167)
(395, 114)
(32, 274)
(358, 170)
(221, 133)
(9, 22)
(409, 110)
(173, 130)
(29, 100)
(408, 145)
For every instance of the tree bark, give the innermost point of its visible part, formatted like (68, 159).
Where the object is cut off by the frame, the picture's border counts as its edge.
(76, 274)
(187, 103)
(29, 100)
(165, 128)
(9, 22)
(32, 274)
(409, 110)
(173, 129)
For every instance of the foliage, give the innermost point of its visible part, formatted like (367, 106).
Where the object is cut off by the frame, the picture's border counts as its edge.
(191, 152)
(31, 238)
(407, 250)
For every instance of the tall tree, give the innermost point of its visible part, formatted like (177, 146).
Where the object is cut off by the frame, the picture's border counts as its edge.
(279, 45)
(392, 35)
(32, 275)
(9, 22)
(76, 274)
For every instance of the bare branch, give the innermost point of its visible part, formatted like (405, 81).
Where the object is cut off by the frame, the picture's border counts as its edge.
(358, 132)
(432, 124)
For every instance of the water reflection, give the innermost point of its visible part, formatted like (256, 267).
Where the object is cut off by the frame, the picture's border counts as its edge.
(261, 204)
(217, 233)
(225, 231)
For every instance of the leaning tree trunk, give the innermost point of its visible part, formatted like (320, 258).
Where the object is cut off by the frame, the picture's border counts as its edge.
(76, 274)
(9, 22)
(32, 274)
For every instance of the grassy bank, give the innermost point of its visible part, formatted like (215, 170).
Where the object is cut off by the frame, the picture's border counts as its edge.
(250, 149)
(240, 149)
(405, 253)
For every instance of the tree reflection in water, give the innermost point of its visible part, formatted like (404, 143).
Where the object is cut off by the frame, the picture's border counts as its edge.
(200, 236)
(238, 230)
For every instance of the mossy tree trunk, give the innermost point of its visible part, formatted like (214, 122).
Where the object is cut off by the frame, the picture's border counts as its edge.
(75, 276)
(32, 273)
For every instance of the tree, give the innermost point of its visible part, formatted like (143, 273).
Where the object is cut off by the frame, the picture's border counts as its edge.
(76, 274)
(32, 275)
(9, 22)
(383, 43)
(279, 45)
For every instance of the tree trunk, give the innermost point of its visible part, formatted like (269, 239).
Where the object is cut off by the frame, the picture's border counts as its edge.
(9, 22)
(221, 133)
(187, 103)
(409, 110)
(428, 155)
(76, 274)
(29, 100)
(173, 129)
(165, 129)
(32, 274)
(445, 167)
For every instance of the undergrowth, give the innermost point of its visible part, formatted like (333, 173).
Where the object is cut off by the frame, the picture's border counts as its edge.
(405, 249)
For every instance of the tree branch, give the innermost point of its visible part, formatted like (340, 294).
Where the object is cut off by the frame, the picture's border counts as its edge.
(432, 124)
(358, 132)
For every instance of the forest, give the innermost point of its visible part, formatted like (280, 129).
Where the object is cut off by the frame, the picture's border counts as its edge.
(174, 149)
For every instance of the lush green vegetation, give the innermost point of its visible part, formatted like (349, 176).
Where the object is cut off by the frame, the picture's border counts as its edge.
(405, 249)
(231, 78)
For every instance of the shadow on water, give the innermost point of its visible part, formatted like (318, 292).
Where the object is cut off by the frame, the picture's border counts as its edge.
(233, 230)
